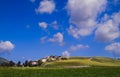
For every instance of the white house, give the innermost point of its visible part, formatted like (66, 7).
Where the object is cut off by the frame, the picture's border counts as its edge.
(44, 60)
(34, 63)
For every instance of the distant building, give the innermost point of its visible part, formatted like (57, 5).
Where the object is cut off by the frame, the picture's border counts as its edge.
(44, 60)
(47, 59)
(59, 58)
(34, 63)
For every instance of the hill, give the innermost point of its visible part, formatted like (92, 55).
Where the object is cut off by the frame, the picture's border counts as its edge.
(83, 62)
(2, 60)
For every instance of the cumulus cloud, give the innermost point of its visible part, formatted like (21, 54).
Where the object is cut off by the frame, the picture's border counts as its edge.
(77, 47)
(58, 37)
(66, 54)
(83, 14)
(6, 46)
(46, 6)
(74, 48)
(108, 30)
(43, 25)
(114, 48)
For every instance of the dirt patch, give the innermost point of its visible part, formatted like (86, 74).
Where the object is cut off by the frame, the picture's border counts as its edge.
(76, 66)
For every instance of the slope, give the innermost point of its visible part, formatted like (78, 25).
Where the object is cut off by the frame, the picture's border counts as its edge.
(83, 61)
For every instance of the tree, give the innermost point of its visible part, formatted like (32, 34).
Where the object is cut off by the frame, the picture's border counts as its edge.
(4, 64)
(26, 63)
(39, 62)
(19, 64)
(11, 63)
(23, 64)
(30, 63)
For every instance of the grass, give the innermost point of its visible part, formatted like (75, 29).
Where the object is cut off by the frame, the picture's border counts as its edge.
(99, 67)
(84, 61)
(60, 72)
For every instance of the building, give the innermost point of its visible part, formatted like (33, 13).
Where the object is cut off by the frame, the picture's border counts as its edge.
(34, 63)
(44, 60)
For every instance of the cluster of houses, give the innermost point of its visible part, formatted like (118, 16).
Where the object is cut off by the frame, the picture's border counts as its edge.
(48, 59)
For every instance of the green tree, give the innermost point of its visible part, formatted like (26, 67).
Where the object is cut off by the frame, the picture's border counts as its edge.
(39, 62)
(19, 64)
(11, 63)
(4, 64)
(26, 63)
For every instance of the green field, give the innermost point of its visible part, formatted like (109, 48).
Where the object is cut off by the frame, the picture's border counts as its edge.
(73, 67)
(84, 61)
(60, 72)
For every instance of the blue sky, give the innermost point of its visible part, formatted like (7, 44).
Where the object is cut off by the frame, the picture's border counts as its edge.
(32, 29)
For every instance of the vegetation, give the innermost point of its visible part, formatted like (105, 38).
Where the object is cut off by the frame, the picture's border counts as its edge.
(58, 61)
(72, 67)
(2, 60)
(19, 64)
(60, 72)
(83, 61)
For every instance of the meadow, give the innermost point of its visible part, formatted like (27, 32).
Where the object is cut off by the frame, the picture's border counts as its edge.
(59, 72)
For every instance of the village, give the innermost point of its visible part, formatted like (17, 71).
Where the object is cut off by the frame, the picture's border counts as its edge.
(33, 63)
(47, 59)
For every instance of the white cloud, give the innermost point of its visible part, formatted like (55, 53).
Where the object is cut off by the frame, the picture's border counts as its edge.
(43, 25)
(77, 32)
(74, 48)
(6, 46)
(77, 47)
(114, 48)
(66, 54)
(46, 6)
(58, 37)
(54, 25)
(83, 14)
(108, 30)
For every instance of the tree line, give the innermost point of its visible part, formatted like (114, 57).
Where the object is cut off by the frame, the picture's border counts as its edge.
(33, 63)
(19, 64)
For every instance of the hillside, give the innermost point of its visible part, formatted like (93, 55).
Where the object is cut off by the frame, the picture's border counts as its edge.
(2, 60)
(83, 62)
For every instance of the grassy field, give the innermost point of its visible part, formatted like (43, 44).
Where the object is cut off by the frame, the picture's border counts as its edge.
(60, 72)
(84, 61)
(97, 67)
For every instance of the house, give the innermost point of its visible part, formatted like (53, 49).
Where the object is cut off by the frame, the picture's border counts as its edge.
(90, 58)
(34, 63)
(53, 58)
(44, 60)
(59, 58)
